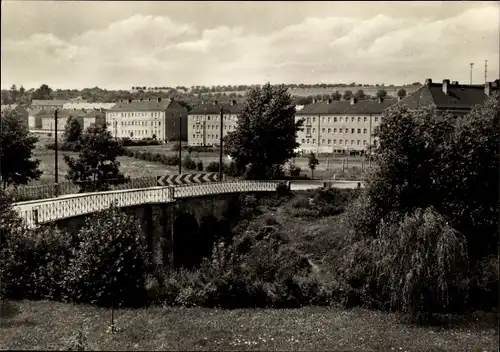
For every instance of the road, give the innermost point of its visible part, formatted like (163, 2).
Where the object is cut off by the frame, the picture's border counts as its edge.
(302, 185)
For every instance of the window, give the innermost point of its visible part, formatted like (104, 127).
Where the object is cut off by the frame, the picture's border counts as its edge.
(323, 130)
(334, 130)
(308, 140)
(314, 119)
(328, 119)
(303, 140)
(329, 130)
(340, 119)
(375, 142)
(335, 119)
(359, 130)
(352, 141)
(322, 141)
(346, 142)
(364, 130)
(323, 119)
(329, 141)
(208, 118)
(359, 118)
(352, 119)
(376, 118)
(308, 132)
(364, 119)
(340, 141)
(334, 141)
(314, 141)
(358, 141)
(340, 130)
(353, 130)
(314, 130)
(364, 142)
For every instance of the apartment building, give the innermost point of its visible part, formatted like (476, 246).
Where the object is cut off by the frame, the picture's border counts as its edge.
(48, 122)
(148, 118)
(340, 126)
(204, 122)
(47, 104)
(94, 116)
(451, 97)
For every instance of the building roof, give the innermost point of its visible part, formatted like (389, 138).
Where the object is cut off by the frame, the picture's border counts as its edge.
(95, 113)
(62, 113)
(214, 108)
(142, 105)
(48, 102)
(347, 107)
(457, 96)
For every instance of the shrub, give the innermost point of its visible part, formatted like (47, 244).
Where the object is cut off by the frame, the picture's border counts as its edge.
(188, 163)
(418, 265)
(212, 166)
(294, 170)
(282, 189)
(199, 165)
(110, 261)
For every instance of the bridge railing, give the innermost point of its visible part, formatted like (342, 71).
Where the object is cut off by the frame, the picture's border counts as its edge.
(47, 210)
(238, 186)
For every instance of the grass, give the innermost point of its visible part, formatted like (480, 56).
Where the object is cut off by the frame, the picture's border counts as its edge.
(47, 325)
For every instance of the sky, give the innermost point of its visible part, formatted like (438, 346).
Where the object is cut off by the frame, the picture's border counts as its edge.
(117, 45)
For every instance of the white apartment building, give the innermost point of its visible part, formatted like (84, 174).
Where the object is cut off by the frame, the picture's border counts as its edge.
(340, 126)
(78, 105)
(204, 122)
(147, 118)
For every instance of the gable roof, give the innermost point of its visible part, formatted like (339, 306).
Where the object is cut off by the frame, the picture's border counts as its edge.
(62, 113)
(214, 108)
(48, 102)
(345, 107)
(458, 96)
(142, 105)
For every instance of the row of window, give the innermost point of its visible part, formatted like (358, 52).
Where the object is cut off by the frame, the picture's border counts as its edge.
(134, 114)
(139, 132)
(138, 123)
(209, 136)
(341, 142)
(340, 119)
(340, 130)
(215, 118)
(213, 127)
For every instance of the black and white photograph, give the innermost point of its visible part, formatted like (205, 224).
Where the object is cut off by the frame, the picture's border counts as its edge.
(250, 175)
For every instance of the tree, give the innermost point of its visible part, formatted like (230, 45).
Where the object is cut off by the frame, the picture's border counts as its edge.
(96, 168)
(381, 93)
(360, 94)
(13, 93)
(43, 93)
(266, 132)
(72, 130)
(336, 95)
(347, 95)
(312, 162)
(401, 93)
(16, 147)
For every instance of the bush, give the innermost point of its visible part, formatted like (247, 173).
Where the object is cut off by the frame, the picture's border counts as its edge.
(282, 189)
(128, 142)
(111, 266)
(418, 265)
(199, 165)
(188, 163)
(212, 166)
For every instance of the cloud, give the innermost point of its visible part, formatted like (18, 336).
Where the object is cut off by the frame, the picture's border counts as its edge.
(158, 50)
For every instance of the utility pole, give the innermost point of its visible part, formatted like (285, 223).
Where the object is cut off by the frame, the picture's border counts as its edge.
(370, 143)
(471, 66)
(180, 144)
(220, 141)
(56, 160)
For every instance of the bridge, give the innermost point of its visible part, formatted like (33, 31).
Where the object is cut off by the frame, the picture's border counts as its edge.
(169, 215)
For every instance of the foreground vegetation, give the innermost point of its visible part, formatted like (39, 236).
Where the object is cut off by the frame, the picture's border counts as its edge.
(48, 325)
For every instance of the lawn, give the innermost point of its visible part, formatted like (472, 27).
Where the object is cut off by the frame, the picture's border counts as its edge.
(47, 325)
(130, 166)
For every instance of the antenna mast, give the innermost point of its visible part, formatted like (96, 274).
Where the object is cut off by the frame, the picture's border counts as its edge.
(485, 71)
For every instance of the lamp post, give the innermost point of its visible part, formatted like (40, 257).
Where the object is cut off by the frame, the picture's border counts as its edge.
(180, 144)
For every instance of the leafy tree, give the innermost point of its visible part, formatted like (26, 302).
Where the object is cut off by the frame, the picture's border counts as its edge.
(312, 162)
(43, 93)
(16, 147)
(347, 95)
(336, 95)
(381, 93)
(96, 168)
(14, 93)
(72, 130)
(360, 94)
(266, 133)
(401, 93)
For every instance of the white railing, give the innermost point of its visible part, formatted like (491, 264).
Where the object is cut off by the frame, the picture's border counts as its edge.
(46, 210)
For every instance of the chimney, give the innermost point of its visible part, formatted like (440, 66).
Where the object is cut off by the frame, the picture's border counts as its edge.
(400, 98)
(353, 100)
(380, 100)
(159, 100)
(329, 100)
(215, 102)
(428, 81)
(446, 83)
(314, 101)
(233, 102)
(487, 88)
(130, 101)
(202, 102)
(121, 100)
(454, 83)
(149, 99)
(141, 100)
